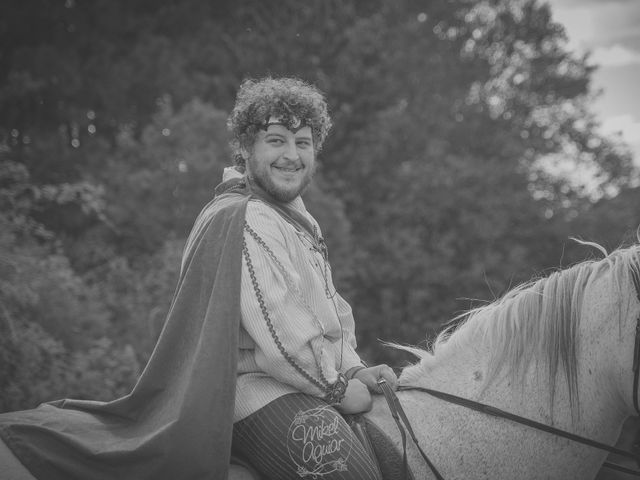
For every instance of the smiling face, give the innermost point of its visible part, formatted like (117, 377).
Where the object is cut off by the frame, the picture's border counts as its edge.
(282, 162)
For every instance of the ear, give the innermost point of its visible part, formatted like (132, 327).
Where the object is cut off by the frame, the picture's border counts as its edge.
(244, 153)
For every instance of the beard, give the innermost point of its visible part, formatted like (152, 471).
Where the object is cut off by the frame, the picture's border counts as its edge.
(269, 181)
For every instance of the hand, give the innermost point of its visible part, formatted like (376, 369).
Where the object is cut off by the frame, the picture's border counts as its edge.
(357, 398)
(370, 376)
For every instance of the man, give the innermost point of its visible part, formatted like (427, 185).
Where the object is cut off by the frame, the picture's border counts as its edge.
(297, 342)
(257, 345)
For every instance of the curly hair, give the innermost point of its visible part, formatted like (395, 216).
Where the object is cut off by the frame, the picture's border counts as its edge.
(288, 99)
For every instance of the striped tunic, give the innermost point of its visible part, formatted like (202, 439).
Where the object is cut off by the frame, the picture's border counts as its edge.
(311, 320)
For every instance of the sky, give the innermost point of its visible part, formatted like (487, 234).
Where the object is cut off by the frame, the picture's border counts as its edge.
(610, 30)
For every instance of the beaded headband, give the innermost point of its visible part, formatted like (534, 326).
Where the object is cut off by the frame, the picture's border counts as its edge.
(293, 123)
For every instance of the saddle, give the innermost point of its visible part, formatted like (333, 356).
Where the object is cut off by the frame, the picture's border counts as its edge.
(378, 445)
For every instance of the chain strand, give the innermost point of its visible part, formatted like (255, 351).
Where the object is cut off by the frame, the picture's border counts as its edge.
(323, 384)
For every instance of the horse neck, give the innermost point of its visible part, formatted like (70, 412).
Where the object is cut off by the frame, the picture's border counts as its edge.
(598, 410)
(466, 444)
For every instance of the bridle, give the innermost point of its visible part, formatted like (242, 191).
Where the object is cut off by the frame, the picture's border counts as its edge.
(403, 424)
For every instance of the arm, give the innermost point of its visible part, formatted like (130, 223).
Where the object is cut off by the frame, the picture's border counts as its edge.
(351, 364)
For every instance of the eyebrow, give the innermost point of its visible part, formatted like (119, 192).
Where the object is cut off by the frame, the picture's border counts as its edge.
(282, 133)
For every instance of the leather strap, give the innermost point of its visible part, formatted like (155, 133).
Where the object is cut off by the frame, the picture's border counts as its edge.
(397, 412)
(496, 412)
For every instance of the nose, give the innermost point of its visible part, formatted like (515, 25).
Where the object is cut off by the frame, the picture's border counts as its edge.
(291, 151)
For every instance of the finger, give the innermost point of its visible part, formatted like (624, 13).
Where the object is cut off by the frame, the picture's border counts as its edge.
(390, 377)
(384, 377)
(376, 386)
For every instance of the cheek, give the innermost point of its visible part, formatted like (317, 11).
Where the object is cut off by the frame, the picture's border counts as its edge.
(307, 155)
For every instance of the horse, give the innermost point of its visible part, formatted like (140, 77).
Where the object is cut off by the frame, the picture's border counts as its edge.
(558, 350)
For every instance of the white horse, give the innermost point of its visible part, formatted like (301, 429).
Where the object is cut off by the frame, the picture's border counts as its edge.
(558, 350)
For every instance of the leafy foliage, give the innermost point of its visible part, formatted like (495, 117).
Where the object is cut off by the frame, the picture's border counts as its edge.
(444, 177)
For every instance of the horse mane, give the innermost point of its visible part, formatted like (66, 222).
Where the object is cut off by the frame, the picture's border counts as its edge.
(535, 321)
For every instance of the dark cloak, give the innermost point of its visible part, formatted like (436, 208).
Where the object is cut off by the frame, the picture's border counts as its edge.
(177, 421)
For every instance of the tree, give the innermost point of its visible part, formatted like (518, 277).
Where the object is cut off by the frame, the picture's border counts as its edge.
(439, 182)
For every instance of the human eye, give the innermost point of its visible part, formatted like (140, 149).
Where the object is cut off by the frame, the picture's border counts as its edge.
(304, 143)
(274, 140)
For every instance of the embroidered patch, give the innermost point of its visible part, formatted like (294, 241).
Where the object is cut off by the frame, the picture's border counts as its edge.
(315, 443)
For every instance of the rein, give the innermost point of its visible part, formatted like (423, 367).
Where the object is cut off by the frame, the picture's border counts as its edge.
(397, 412)
(496, 412)
(400, 417)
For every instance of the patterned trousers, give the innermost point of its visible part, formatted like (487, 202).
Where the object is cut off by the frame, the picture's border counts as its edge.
(300, 436)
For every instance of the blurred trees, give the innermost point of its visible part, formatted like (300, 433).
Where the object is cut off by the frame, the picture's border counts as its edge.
(444, 178)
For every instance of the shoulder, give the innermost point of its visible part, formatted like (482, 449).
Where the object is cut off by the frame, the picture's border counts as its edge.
(222, 208)
(268, 224)
(219, 223)
(259, 212)
(220, 214)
